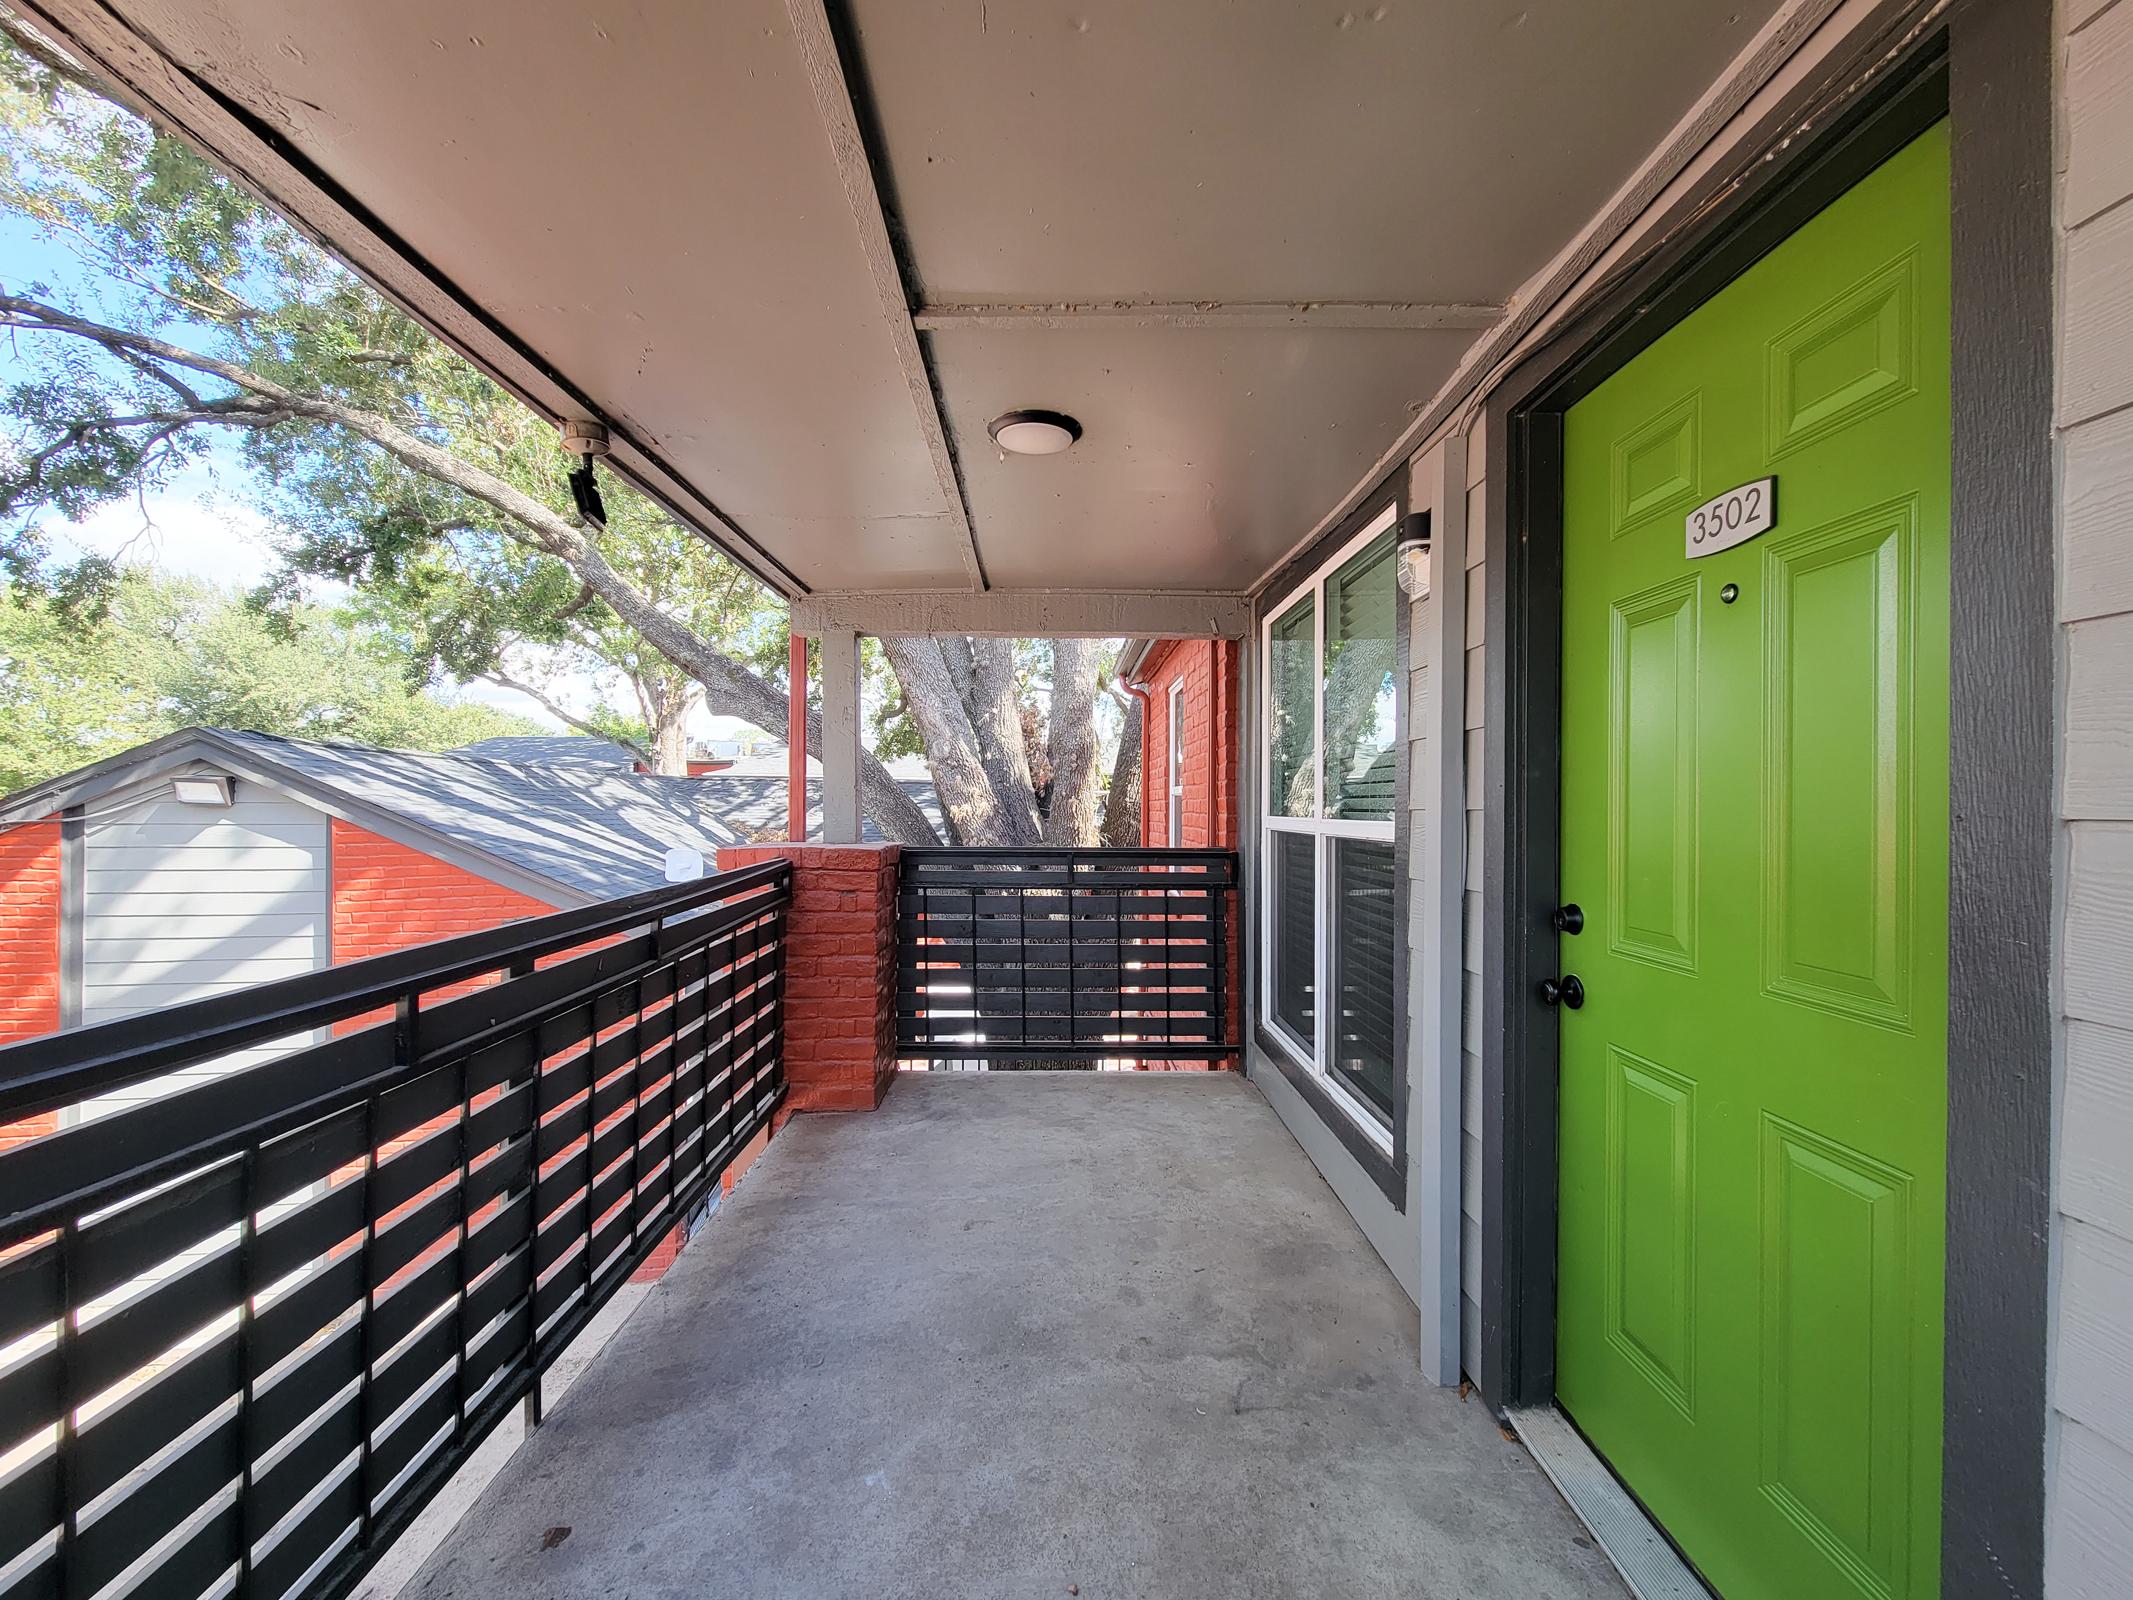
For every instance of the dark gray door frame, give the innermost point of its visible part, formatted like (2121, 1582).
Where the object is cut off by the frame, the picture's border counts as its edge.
(1988, 68)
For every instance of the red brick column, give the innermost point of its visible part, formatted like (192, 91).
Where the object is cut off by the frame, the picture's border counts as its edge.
(840, 972)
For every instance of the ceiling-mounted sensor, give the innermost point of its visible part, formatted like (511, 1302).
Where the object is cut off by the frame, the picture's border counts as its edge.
(584, 438)
(587, 441)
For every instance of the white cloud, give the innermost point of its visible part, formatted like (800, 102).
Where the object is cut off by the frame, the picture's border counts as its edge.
(490, 694)
(188, 536)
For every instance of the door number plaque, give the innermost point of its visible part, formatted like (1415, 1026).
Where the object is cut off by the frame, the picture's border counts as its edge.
(1732, 518)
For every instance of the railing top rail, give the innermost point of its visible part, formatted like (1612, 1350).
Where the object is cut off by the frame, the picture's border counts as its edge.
(1152, 854)
(62, 1069)
(259, 1319)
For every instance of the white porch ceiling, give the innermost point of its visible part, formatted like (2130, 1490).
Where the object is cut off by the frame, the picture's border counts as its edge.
(664, 214)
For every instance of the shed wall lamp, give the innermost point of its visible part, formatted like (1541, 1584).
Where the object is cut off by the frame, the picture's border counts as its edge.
(204, 789)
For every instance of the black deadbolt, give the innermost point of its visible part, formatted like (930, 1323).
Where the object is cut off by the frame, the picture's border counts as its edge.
(1569, 919)
(1565, 991)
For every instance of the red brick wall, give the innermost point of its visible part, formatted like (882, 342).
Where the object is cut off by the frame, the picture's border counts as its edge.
(1208, 670)
(840, 971)
(387, 896)
(29, 930)
(29, 947)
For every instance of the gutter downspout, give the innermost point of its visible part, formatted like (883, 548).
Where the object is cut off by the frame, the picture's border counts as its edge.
(1146, 697)
(796, 741)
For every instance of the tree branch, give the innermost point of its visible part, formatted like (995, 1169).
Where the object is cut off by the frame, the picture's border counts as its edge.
(732, 687)
(569, 719)
(239, 412)
(184, 391)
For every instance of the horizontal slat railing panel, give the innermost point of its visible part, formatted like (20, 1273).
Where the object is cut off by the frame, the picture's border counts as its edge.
(254, 1324)
(1066, 956)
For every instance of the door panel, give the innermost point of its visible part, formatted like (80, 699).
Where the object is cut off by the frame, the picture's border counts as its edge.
(1755, 760)
(1651, 1222)
(1837, 1382)
(1651, 795)
(1837, 764)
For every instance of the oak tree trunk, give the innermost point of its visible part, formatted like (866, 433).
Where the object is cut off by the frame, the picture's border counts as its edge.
(995, 713)
(1071, 818)
(1122, 807)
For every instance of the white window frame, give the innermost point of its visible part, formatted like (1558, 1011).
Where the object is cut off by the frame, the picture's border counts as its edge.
(1312, 1055)
(1176, 837)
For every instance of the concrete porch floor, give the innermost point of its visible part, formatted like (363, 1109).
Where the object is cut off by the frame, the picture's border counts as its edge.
(1010, 1334)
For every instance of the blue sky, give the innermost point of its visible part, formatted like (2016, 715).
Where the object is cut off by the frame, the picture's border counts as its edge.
(199, 525)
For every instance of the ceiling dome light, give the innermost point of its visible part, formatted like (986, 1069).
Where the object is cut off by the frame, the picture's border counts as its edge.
(1034, 433)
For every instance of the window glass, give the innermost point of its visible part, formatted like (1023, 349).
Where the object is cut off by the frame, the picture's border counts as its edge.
(1361, 612)
(1295, 890)
(1363, 971)
(1328, 980)
(1292, 775)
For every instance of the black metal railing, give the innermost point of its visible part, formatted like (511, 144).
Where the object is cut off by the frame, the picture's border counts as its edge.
(248, 1327)
(1069, 956)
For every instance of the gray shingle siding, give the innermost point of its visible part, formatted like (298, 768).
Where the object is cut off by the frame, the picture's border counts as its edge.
(2089, 1539)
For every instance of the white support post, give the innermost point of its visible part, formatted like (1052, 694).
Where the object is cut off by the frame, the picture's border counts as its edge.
(840, 737)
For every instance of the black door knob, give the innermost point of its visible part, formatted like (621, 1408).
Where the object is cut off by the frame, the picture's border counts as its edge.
(1565, 991)
(1569, 919)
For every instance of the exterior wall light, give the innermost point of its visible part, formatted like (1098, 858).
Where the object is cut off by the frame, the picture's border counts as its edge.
(1034, 433)
(203, 789)
(1413, 550)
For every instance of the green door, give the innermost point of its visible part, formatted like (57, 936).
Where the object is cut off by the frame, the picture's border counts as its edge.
(1755, 803)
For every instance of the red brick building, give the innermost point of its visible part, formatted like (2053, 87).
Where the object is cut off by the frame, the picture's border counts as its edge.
(1188, 690)
(1189, 694)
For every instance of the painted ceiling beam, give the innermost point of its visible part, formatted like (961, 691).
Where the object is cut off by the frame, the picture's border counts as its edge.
(855, 171)
(1382, 315)
(1023, 614)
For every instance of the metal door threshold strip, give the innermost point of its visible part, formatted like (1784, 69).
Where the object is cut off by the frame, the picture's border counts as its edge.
(1651, 1567)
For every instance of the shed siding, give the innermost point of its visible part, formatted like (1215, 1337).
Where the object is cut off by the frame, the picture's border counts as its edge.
(182, 902)
(2089, 1535)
